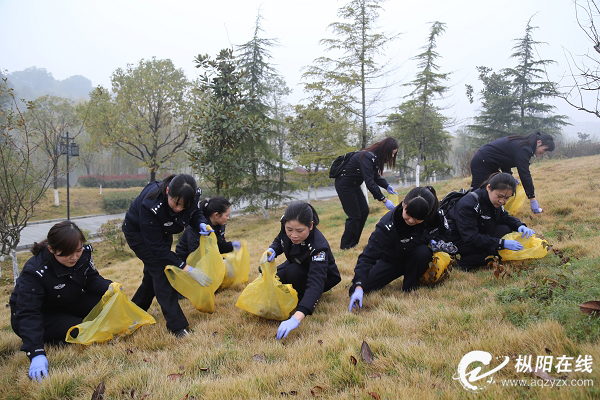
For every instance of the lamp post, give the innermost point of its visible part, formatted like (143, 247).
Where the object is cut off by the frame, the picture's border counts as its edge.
(67, 146)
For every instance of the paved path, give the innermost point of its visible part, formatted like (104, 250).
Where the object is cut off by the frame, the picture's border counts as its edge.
(36, 231)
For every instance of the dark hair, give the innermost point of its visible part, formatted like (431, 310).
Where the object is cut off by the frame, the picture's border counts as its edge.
(182, 187)
(531, 140)
(383, 150)
(64, 238)
(301, 212)
(211, 205)
(501, 181)
(421, 203)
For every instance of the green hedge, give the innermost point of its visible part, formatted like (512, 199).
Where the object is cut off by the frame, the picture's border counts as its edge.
(118, 202)
(92, 181)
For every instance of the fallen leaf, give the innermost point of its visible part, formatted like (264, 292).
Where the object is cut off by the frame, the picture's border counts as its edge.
(99, 392)
(259, 357)
(320, 341)
(540, 373)
(353, 360)
(203, 369)
(129, 351)
(293, 393)
(132, 393)
(590, 308)
(366, 353)
(174, 377)
(185, 397)
(284, 393)
(316, 391)
(215, 334)
(375, 376)
(145, 395)
(146, 360)
(548, 351)
(374, 395)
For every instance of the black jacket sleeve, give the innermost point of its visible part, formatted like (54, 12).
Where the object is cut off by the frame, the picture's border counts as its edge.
(367, 259)
(522, 159)
(507, 219)
(315, 283)
(94, 282)
(29, 313)
(467, 225)
(371, 176)
(153, 235)
(276, 245)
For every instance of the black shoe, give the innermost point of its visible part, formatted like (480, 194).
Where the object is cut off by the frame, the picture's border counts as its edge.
(181, 333)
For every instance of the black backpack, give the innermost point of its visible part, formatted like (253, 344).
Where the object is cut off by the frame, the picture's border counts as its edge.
(451, 198)
(337, 167)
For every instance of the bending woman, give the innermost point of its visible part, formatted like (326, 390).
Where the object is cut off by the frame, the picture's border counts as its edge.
(162, 209)
(364, 166)
(399, 245)
(512, 151)
(478, 222)
(310, 266)
(57, 288)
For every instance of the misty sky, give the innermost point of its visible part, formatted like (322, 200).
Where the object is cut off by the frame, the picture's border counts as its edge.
(78, 37)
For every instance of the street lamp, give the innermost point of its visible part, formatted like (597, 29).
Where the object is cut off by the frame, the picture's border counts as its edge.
(67, 146)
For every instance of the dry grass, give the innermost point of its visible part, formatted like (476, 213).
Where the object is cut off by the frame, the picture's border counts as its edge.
(417, 341)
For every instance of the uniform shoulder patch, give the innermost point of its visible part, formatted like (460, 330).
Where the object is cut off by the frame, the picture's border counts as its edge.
(320, 256)
(88, 247)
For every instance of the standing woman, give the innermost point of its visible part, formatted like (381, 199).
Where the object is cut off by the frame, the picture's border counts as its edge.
(216, 210)
(57, 288)
(399, 245)
(364, 166)
(310, 266)
(478, 222)
(162, 209)
(512, 151)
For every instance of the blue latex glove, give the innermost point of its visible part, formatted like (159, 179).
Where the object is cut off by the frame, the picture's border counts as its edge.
(199, 276)
(38, 368)
(357, 296)
(389, 205)
(271, 254)
(236, 245)
(516, 180)
(286, 327)
(390, 190)
(512, 245)
(446, 247)
(203, 230)
(535, 207)
(526, 232)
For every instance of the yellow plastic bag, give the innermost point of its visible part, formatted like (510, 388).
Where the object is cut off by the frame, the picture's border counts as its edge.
(237, 264)
(438, 271)
(394, 198)
(208, 259)
(267, 297)
(114, 315)
(534, 247)
(514, 204)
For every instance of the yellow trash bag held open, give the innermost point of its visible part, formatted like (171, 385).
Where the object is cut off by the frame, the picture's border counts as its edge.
(114, 315)
(237, 266)
(208, 259)
(266, 296)
(534, 247)
(514, 204)
(438, 271)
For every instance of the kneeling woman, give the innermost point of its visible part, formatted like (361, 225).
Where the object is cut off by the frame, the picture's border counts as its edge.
(310, 265)
(57, 288)
(478, 222)
(399, 245)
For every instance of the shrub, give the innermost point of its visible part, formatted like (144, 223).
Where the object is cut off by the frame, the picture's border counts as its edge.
(117, 202)
(112, 233)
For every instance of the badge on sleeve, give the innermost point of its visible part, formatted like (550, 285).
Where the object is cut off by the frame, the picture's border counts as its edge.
(319, 256)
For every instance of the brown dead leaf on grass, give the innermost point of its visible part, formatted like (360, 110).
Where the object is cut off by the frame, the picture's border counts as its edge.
(540, 373)
(316, 391)
(591, 308)
(99, 392)
(366, 353)
(353, 360)
(174, 377)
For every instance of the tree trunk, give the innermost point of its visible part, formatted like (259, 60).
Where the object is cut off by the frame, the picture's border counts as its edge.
(152, 175)
(56, 200)
(15, 264)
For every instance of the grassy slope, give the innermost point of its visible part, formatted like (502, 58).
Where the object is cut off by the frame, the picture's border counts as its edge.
(417, 341)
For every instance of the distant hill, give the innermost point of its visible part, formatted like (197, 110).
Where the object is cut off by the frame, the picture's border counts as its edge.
(34, 82)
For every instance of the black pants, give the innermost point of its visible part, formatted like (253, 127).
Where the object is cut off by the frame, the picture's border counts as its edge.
(413, 266)
(58, 322)
(480, 171)
(297, 276)
(471, 258)
(155, 284)
(356, 208)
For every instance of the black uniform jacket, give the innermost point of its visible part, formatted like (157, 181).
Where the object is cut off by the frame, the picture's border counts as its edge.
(473, 221)
(392, 240)
(157, 222)
(46, 286)
(189, 241)
(365, 169)
(314, 254)
(502, 154)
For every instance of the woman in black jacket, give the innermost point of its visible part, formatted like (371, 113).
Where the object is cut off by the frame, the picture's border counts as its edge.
(57, 288)
(364, 166)
(399, 245)
(310, 266)
(478, 222)
(162, 209)
(512, 151)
